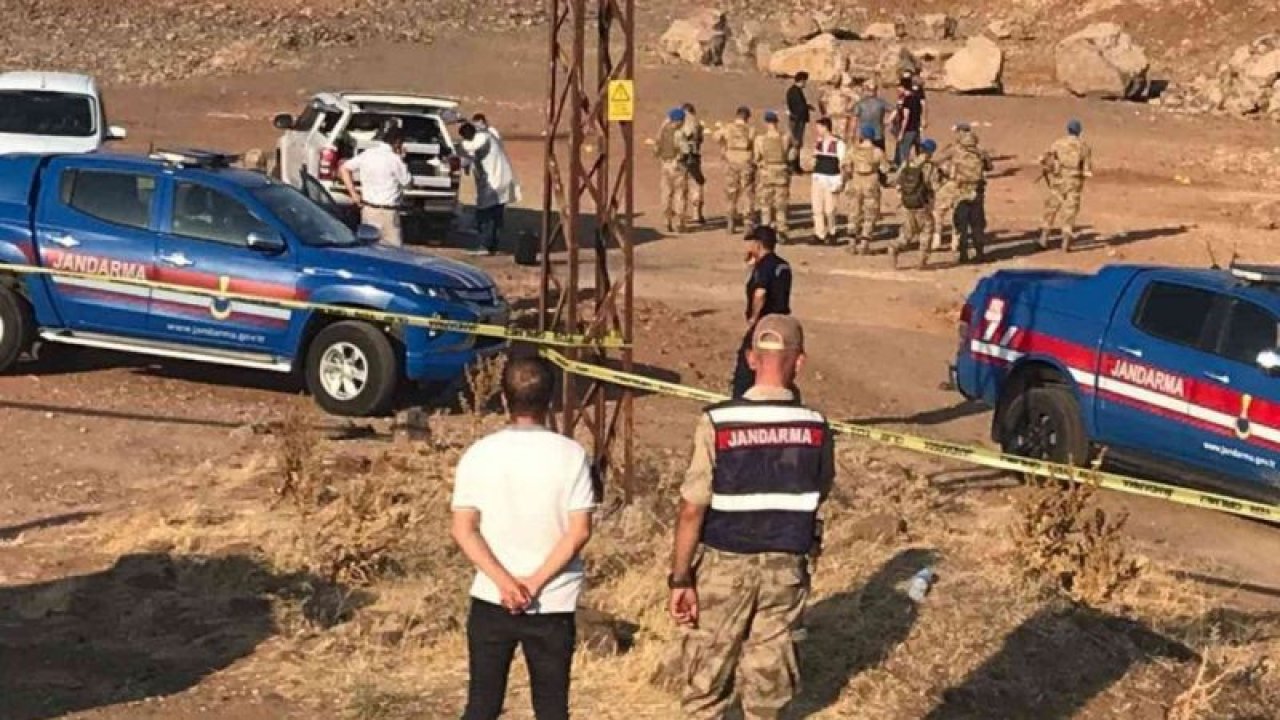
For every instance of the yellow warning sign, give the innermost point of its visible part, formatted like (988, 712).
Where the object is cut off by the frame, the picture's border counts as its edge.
(622, 100)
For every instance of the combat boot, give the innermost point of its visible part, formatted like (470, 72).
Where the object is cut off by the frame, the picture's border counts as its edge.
(893, 256)
(733, 224)
(1066, 242)
(924, 259)
(1043, 242)
(671, 228)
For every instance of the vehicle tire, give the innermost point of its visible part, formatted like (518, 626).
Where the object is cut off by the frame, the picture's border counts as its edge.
(1044, 423)
(353, 369)
(17, 328)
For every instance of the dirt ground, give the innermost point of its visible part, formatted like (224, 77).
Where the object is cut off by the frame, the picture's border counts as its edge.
(93, 441)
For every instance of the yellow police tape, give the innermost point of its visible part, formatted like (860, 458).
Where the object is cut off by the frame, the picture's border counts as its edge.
(955, 451)
(563, 340)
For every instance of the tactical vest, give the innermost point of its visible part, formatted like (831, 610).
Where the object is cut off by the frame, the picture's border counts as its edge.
(737, 143)
(825, 159)
(766, 487)
(772, 150)
(968, 167)
(667, 149)
(1069, 153)
(862, 159)
(913, 185)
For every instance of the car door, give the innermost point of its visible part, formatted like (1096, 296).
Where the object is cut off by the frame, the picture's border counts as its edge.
(1158, 348)
(97, 222)
(214, 240)
(294, 150)
(1244, 396)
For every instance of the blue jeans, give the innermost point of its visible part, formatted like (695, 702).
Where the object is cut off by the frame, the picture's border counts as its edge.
(907, 143)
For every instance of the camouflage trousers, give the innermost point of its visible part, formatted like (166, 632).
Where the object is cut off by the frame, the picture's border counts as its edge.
(864, 207)
(675, 190)
(749, 609)
(944, 204)
(773, 199)
(739, 190)
(917, 225)
(1063, 205)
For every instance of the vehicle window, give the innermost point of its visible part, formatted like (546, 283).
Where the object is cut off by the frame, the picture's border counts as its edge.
(40, 112)
(418, 129)
(115, 197)
(1173, 312)
(1250, 330)
(207, 214)
(329, 122)
(309, 222)
(307, 118)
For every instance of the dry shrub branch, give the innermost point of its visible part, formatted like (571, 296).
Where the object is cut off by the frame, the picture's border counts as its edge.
(1066, 544)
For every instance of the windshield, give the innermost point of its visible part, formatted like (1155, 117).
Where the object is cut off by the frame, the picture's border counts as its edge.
(312, 224)
(39, 112)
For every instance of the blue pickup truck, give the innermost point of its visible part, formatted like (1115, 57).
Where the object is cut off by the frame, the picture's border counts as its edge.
(187, 219)
(1175, 372)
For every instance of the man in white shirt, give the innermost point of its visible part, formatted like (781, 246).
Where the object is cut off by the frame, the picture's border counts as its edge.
(496, 185)
(522, 503)
(828, 153)
(383, 179)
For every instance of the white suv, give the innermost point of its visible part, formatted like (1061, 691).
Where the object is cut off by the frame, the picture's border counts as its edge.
(335, 126)
(49, 112)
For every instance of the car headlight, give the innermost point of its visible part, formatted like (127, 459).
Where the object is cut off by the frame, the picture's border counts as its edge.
(428, 291)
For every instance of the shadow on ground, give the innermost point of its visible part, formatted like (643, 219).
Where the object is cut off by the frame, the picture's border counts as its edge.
(1054, 664)
(151, 625)
(849, 633)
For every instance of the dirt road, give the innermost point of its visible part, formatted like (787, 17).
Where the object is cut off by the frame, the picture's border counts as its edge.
(91, 435)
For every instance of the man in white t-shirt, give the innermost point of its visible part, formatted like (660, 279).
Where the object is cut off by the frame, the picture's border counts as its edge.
(383, 179)
(496, 184)
(522, 503)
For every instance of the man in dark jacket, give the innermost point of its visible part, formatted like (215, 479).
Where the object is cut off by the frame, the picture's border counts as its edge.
(798, 109)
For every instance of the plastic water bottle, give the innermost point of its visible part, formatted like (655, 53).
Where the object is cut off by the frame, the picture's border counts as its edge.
(920, 583)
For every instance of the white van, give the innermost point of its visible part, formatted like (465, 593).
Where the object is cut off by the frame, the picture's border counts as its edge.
(48, 112)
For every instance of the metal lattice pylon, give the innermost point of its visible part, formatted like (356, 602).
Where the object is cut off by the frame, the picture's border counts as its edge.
(588, 203)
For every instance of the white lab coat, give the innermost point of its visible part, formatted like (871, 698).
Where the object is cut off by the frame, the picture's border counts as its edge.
(496, 182)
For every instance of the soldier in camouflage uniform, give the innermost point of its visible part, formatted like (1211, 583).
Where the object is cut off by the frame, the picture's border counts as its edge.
(1066, 165)
(762, 464)
(773, 152)
(866, 168)
(671, 149)
(918, 185)
(737, 142)
(944, 201)
(693, 133)
(968, 168)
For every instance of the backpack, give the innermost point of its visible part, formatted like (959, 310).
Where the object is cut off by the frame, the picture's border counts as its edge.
(968, 167)
(913, 188)
(667, 149)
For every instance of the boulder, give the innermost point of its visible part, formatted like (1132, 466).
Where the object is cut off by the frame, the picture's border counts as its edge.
(896, 60)
(823, 58)
(977, 67)
(799, 27)
(1000, 29)
(937, 26)
(699, 38)
(1102, 61)
(884, 31)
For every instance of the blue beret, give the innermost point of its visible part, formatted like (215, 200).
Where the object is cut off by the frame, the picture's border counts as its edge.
(675, 114)
(1074, 127)
(929, 146)
(770, 116)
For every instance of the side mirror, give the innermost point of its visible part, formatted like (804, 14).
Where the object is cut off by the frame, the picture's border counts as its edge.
(115, 132)
(1269, 361)
(283, 121)
(368, 234)
(264, 242)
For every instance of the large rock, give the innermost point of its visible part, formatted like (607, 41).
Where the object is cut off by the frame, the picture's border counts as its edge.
(823, 58)
(747, 37)
(937, 26)
(1250, 82)
(699, 38)
(977, 67)
(1102, 61)
(884, 31)
(896, 60)
(799, 27)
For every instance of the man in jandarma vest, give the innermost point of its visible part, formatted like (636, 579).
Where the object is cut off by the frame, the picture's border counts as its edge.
(1066, 165)
(748, 522)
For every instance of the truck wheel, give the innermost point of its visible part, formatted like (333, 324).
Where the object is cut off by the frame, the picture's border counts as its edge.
(17, 328)
(1044, 423)
(352, 369)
